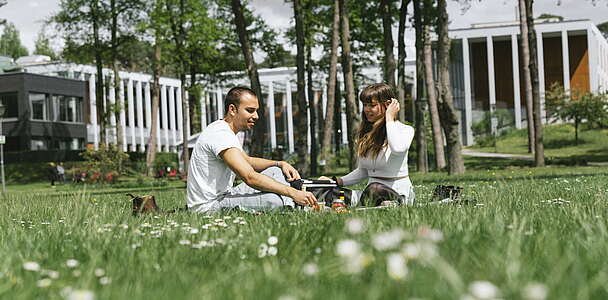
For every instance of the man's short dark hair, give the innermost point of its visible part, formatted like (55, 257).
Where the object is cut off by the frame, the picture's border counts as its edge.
(234, 96)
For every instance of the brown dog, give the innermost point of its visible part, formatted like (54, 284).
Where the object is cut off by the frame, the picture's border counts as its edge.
(143, 204)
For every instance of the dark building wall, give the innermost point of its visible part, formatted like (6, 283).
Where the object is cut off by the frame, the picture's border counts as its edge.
(553, 60)
(503, 74)
(20, 131)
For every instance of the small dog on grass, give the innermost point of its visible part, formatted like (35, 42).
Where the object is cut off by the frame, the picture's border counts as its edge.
(143, 204)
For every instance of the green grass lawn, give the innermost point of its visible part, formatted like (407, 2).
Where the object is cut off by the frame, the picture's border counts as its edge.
(532, 230)
(559, 143)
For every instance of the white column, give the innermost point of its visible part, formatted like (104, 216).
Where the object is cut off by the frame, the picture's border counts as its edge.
(140, 115)
(566, 60)
(93, 111)
(289, 116)
(271, 116)
(112, 99)
(172, 115)
(163, 97)
(131, 102)
(123, 120)
(148, 105)
(516, 86)
(541, 75)
(179, 126)
(491, 83)
(468, 107)
(593, 61)
(204, 100)
(220, 103)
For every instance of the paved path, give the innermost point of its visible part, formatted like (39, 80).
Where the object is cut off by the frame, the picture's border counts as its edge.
(496, 155)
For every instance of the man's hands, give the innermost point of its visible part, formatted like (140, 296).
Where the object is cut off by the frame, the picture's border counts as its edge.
(290, 172)
(392, 110)
(303, 198)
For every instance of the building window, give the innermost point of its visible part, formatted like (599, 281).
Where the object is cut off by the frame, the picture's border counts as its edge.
(68, 109)
(71, 144)
(39, 144)
(40, 106)
(11, 103)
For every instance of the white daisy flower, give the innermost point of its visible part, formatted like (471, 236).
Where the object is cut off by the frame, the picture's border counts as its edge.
(273, 240)
(42, 283)
(31, 266)
(354, 226)
(483, 290)
(272, 251)
(395, 266)
(535, 291)
(71, 263)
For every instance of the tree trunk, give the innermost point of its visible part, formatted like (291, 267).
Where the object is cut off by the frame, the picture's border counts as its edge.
(301, 128)
(421, 147)
(313, 114)
(401, 81)
(446, 106)
(352, 118)
(331, 85)
(338, 116)
(185, 129)
(151, 155)
(539, 152)
(432, 95)
(194, 105)
(259, 130)
(117, 99)
(525, 53)
(389, 57)
(99, 95)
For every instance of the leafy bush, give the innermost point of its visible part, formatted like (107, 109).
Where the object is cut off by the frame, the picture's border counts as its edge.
(482, 130)
(105, 164)
(577, 107)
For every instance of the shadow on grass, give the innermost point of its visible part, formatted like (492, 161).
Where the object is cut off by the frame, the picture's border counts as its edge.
(561, 143)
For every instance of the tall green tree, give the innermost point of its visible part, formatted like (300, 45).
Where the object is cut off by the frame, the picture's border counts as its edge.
(302, 122)
(42, 46)
(124, 15)
(10, 42)
(429, 18)
(331, 82)
(82, 23)
(446, 100)
(352, 117)
(539, 152)
(389, 66)
(527, 80)
(421, 145)
(252, 71)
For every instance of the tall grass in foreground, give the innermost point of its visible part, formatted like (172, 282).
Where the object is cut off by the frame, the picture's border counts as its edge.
(534, 234)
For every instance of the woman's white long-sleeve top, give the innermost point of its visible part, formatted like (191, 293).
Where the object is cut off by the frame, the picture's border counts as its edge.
(391, 162)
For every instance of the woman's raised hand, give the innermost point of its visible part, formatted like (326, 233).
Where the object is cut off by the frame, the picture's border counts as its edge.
(392, 110)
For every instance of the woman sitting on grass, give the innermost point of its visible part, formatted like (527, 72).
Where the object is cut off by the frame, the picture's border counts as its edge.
(382, 148)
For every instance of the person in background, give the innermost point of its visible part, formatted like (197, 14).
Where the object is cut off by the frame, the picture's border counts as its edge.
(60, 172)
(52, 173)
(382, 147)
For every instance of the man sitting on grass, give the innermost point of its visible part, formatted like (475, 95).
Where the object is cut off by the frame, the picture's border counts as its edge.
(218, 155)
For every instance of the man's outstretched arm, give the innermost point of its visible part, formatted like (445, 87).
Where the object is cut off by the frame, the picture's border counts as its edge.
(237, 161)
(261, 164)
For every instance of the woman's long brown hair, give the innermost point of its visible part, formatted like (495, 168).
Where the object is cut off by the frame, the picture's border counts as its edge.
(372, 136)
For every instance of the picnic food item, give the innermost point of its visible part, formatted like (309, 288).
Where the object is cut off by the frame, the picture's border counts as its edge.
(338, 205)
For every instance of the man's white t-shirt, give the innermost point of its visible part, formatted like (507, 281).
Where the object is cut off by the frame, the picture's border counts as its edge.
(209, 178)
